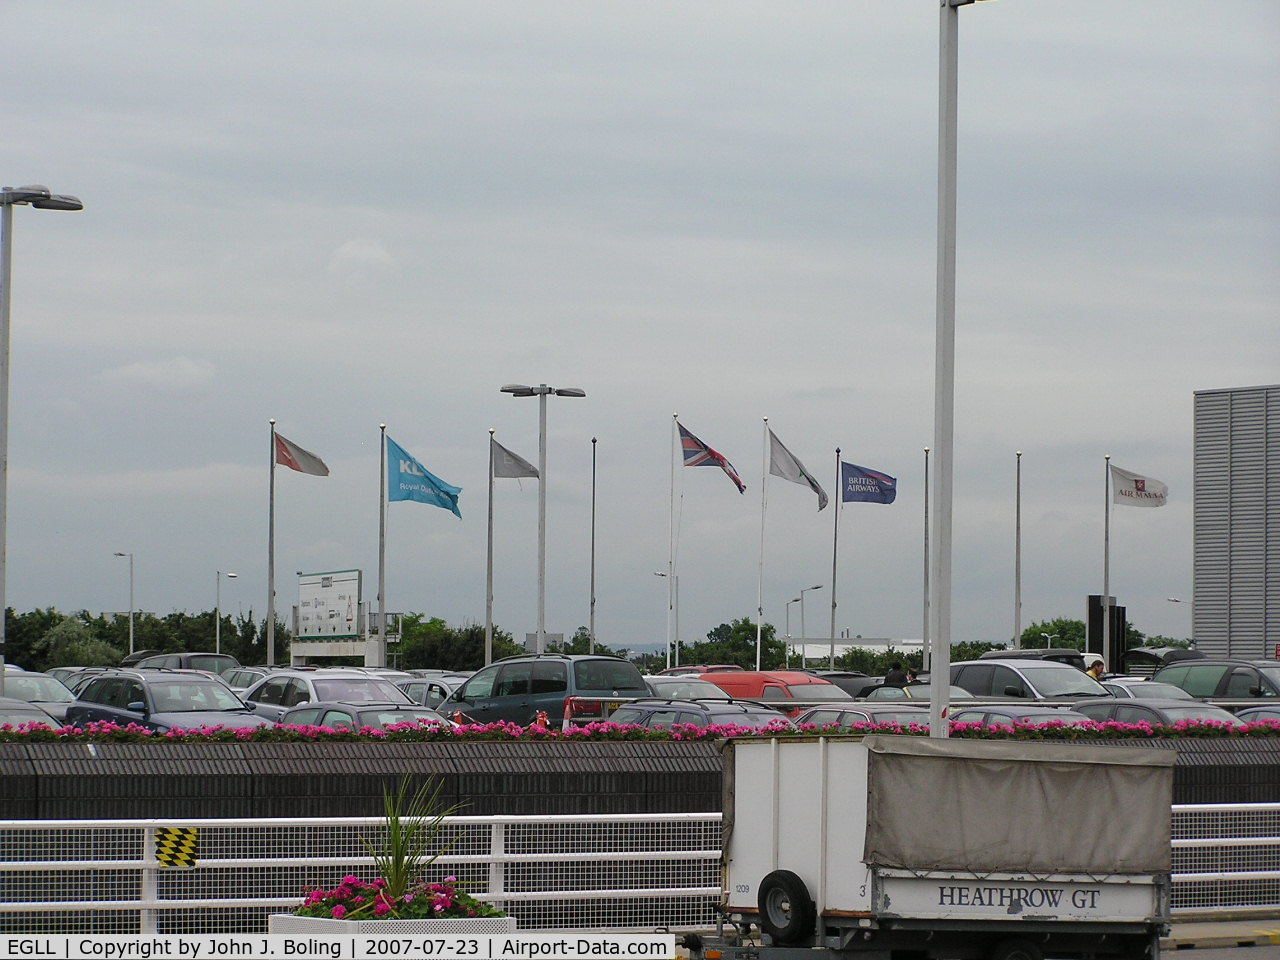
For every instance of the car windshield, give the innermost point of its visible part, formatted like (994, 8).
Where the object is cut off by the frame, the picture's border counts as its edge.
(1204, 712)
(29, 687)
(380, 718)
(920, 691)
(23, 716)
(816, 691)
(1053, 680)
(185, 696)
(597, 675)
(1165, 691)
(359, 690)
(683, 689)
(628, 715)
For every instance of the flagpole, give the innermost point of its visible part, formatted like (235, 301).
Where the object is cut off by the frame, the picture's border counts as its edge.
(1017, 558)
(671, 538)
(591, 629)
(1106, 565)
(835, 541)
(271, 552)
(380, 653)
(764, 482)
(928, 652)
(488, 568)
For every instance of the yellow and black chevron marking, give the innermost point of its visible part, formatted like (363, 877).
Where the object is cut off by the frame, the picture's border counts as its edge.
(177, 847)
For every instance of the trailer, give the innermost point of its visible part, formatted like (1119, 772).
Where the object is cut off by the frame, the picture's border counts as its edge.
(910, 848)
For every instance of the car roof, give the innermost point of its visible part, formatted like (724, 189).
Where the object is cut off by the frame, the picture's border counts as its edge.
(360, 705)
(1160, 703)
(1022, 662)
(562, 656)
(1234, 661)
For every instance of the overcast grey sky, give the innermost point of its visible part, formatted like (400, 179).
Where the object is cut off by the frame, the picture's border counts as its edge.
(338, 214)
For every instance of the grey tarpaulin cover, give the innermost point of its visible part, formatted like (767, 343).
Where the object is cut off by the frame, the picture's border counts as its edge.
(1009, 805)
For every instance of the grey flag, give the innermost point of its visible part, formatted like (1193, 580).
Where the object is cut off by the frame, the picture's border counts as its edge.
(783, 463)
(508, 464)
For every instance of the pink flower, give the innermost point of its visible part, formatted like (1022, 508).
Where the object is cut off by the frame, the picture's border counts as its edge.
(339, 912)
(381, 909)
(408, 898)
(349, 879)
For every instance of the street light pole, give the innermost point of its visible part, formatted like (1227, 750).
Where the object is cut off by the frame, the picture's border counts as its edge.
(803, 634)
(130, 556)
(39, 197)
(217, 609)
(673, 584)
(541, 392)
(1017, 558)
(788, 617)
(591, 628)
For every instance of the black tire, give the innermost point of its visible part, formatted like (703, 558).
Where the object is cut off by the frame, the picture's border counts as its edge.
(787, 912)
(1015, 949)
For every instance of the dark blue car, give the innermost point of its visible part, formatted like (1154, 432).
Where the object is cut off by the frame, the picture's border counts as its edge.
(161, 700)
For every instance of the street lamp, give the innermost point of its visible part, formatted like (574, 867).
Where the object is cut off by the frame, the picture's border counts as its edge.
(788, 606)
(944, 376)
(803, 634)
(130, 556)
(541, 391)
(217, 609)
(675, 595)
(1050, 637)
(40, 198)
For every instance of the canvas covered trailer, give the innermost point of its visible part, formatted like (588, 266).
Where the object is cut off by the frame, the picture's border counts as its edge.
(895, 847)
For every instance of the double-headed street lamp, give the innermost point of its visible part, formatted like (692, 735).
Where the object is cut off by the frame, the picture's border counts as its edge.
(217, 608)
(130, 556)
(803, 634)
(541, 392)
(789, 644)
(40, 198)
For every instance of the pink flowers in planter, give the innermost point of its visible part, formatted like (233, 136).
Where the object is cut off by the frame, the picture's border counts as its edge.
(356, 899)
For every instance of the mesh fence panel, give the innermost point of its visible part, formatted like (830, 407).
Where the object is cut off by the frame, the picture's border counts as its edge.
(1260, 823)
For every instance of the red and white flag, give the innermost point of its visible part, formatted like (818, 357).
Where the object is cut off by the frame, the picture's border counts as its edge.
(1136, 490)
(295, 458)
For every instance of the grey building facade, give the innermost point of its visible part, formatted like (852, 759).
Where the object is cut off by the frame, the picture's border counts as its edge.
(1236, 562)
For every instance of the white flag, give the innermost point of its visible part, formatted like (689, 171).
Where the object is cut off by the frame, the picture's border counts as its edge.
(1136, 490)
(783, 463)
(508, 464)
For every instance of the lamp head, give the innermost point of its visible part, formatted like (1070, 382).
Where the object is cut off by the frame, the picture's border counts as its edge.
(570, 392)
(519, 390)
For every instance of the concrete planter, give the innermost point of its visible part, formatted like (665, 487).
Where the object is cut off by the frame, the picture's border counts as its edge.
(447, 927)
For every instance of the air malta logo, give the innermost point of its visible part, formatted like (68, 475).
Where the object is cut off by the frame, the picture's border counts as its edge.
(1140, 484)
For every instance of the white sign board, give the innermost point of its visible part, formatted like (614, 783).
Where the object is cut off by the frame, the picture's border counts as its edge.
(329, 605)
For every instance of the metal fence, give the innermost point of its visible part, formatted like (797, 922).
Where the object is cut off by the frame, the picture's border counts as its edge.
(598, 872)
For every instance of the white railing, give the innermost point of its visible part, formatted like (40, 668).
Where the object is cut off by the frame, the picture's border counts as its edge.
(599, 872)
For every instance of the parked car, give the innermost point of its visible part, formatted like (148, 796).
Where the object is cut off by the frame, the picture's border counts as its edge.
(774, 685)
(853, 683)
(1153, 710)
(1029, 678)
(14, 712)
(1222, 678)
(659, 712)
(77, 680)
(215, 663)
(160, 700)
(848, 714)
(40, 690)
(1255, 714)
(1068, 655)
(685, 688)
(564, 686)
(242, 678)
(337, 713)
(63, 674)
(914, 691)
(1126, 688)
(277, 692)
(1018, 713)
(1147, 660)
(430, 692)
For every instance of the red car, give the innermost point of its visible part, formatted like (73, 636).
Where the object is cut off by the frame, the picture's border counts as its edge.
(774, 685)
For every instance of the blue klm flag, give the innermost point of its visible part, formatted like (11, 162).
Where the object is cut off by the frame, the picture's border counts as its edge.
(407, 479)
(871, 486)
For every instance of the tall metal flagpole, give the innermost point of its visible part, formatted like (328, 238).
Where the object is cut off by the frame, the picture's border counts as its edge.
(928, 652)
(591, 628)
(835, 542)
(945, 366)
(671, 533)
(542, 522)
(271, 553)
(488, 568)
(380, 654)
(1017, 558)
(764, 483)
(1106, 565)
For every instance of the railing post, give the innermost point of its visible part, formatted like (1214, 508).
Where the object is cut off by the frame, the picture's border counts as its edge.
(497, 859)
(149, 890)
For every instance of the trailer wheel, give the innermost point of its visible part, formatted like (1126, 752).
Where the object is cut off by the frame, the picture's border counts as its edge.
(787, 913)
(1015, 949)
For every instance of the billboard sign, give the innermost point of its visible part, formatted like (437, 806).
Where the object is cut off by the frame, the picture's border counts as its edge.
(329, 605)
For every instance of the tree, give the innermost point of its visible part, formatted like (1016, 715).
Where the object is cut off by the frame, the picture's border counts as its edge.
(581, 644)
(735, 642)
(1062, 631)
(72, 643)
(23, 631)
(430, 643)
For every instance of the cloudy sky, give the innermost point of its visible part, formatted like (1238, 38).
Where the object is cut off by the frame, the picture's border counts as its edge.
(340, 214)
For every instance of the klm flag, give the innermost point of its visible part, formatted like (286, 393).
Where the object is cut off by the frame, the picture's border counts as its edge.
(407, 479)
(870, 486)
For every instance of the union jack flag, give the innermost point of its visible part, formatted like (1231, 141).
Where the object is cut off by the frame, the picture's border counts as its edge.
(698, 454)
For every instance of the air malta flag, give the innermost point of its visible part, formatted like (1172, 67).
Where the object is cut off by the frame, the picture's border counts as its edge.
(870, 486)
(295, 458)
(1136, 490)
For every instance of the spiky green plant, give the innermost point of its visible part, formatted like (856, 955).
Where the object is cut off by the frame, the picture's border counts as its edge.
(412, 831)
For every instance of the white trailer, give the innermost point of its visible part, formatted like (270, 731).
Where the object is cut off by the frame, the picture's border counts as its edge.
(907, 848)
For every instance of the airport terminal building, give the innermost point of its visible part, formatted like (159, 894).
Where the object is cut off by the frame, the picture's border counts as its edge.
(1236, 552)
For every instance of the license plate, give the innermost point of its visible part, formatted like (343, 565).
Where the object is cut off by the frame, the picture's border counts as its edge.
(612, 705)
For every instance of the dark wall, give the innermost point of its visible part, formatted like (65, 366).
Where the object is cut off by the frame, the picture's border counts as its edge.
(164, 780)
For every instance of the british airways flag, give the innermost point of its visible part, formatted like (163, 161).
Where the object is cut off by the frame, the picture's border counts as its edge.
(698, 454)
(870, 486)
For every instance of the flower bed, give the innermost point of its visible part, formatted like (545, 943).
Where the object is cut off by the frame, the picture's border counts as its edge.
(105, 732)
